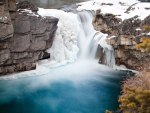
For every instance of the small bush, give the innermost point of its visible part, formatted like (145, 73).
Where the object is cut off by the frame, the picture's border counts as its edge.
(145, 45)
(147, 28)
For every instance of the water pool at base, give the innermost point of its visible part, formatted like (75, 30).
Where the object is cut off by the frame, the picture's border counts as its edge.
(64, 90)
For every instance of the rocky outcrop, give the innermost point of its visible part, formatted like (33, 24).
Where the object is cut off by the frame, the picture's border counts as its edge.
(102, 23)
(124, 36)
(24, 36)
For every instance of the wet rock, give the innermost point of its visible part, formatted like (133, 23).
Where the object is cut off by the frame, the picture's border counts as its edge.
(17, 68)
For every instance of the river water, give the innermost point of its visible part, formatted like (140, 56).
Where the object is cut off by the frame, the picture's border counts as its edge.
(74, 88)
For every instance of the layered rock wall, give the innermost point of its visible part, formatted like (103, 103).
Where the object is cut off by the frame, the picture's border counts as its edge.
(24, 36)
(124, 37)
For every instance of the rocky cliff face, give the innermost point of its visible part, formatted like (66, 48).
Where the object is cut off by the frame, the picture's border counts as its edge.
(124, 36)
(24, 36)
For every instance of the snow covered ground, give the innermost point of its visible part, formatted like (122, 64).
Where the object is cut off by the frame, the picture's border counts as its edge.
(118, 7)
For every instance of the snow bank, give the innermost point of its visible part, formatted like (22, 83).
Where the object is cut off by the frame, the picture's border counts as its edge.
(118, 7)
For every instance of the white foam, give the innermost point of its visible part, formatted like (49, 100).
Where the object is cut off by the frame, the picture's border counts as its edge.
(64, 47)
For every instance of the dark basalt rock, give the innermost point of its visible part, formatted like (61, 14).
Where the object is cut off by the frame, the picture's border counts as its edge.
(45, 55)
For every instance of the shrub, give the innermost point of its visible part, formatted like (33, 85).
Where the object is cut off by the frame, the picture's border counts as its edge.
(136, 95)
(147, 28)
(145, 45)
(135, 101)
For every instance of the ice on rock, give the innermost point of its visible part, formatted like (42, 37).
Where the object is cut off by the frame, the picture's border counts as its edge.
(65, 42)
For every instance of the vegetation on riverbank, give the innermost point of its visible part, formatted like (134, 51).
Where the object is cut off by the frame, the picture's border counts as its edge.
(135, 96)
(145, 45)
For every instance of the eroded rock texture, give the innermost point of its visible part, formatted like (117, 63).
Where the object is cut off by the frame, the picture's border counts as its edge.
(124, 36)
(24, 36)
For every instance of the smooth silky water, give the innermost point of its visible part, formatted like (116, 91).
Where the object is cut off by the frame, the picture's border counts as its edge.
(82, 87)
(78, 85)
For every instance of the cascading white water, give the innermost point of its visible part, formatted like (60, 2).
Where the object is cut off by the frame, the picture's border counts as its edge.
(89, 39)
(75, 40)
(86, 41)
(76, 31)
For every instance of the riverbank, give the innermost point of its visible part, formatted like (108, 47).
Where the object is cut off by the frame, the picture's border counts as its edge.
(136, 94)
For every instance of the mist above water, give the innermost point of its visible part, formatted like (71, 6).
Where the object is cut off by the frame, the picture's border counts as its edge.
(81, 87)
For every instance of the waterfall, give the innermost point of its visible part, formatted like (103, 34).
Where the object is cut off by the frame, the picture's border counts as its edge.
(89, 39)
(75, 42)
(76, 37)
(86, 41)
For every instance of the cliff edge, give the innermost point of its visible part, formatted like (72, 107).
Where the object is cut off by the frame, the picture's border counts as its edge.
(24, 36)
(130, 39)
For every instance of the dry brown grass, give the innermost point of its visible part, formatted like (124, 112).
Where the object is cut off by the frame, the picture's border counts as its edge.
(145, 45)
(141, 81)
